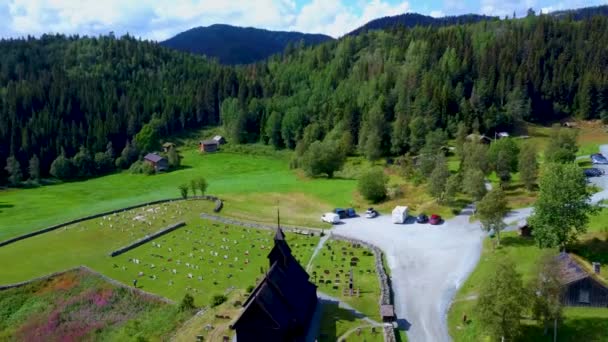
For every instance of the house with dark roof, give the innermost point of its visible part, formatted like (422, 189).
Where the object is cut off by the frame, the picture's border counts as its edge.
(208, 145)
(480, 138)
(159, 163)
(581, 287)
(282, 305)
(220, 139)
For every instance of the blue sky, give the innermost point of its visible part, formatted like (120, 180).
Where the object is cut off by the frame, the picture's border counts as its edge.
(161, 19)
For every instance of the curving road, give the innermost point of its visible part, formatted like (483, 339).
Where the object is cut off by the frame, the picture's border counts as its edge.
(429, 263)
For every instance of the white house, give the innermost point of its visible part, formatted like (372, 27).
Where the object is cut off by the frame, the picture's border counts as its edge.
(399, 214)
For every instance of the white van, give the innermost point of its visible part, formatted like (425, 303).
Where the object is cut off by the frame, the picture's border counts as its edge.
(399, 214)
(332, 218)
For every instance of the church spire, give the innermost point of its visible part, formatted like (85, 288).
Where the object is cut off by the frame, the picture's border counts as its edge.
(279, 235)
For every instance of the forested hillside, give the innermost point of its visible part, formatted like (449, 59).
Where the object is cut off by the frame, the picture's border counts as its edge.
(239, 45)
(378, 93)
(415, 19)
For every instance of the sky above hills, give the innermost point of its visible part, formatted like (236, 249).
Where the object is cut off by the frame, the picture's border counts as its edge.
(161, 19)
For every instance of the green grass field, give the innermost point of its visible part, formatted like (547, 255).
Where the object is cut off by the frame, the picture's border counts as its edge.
(331, 269)
(580, 324)
(241, 253)
(229, 175)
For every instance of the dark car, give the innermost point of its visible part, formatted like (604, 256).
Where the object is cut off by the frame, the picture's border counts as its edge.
(341, 212)
(422, 218)
(598, 158)
(435, 219)
(593, 172)
(350, 212)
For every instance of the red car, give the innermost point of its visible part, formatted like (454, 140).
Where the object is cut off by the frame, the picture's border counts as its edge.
(435, 219)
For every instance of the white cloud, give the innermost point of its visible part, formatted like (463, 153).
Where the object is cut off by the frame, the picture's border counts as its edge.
(160, 19)
(437, 14)
(506, 7)
(336, 19)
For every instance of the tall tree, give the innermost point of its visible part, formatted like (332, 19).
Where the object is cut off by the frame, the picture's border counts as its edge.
(474, 183)
(439, 178)
(13, 168)
(547, 292)
(562, 209)
(528, 166)
(562, 146)
(501, 302)
(372, 185)
(34, 168)
(174, 158)
(491, 211)
(323, 158)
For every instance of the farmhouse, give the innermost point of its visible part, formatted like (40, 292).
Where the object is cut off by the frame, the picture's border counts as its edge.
(479, 138)
(168, 146)
(281, 307)
(159, 163)
(208, 145)
(581, 288)
(219, 139)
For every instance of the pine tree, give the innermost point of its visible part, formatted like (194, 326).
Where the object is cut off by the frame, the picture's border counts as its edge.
(34, 168)
(13, 168)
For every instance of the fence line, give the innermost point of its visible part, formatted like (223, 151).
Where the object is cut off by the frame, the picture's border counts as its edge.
(147, 238)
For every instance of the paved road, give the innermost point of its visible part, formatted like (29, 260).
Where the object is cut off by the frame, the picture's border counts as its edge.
(429, 263)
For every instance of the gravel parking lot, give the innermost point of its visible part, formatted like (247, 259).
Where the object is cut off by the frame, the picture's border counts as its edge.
(429, 263)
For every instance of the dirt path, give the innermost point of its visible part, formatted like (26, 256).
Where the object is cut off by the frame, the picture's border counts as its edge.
(316, 251)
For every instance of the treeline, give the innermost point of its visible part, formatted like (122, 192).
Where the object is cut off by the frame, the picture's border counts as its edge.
(382, 92)
(379, 93)
(72, 96)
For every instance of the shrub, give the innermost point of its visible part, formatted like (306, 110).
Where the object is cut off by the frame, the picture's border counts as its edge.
(250, 288)
(218, 300)
(187, 303)
(372, 185)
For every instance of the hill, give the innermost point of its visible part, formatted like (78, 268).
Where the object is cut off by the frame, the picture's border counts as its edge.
(582, 13)
(239, 45)
(379, 93)
(82, 305)
(415, 19)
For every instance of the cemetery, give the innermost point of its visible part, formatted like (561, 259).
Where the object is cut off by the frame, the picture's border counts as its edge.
(167, 249)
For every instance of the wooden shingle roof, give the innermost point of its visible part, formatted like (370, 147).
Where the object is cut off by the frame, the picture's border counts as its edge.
(569, 270)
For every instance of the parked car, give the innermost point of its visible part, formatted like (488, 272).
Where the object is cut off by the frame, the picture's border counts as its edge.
(350, 212)
(332, 218)
(371, 213)
(435, 219)
(593, 172)
(598, 158)
(422, 218)
(341, 212)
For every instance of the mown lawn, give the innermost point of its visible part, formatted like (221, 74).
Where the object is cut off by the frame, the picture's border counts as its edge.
(331, 272)
(225, 257)
(229, 175)
(78, 305)
(580, 324)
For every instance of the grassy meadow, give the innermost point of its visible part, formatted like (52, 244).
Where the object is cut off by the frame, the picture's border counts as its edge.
(78, 305)
(263, 181)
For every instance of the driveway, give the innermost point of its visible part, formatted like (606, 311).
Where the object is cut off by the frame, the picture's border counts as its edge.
(428, 264)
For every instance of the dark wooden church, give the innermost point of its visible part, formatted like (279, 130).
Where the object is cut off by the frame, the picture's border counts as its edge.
(581, 288)
(281, 307)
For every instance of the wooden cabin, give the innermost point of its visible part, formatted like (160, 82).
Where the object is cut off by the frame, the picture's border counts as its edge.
(581, 287)
(159, 163)
(208, 146)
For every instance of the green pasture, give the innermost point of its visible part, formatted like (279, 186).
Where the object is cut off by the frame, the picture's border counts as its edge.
(228, 174)
(89, 243)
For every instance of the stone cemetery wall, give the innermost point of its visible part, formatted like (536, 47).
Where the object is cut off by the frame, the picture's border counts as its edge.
(147, 238)
(385, 290)
(231, 221)
(218, 206)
